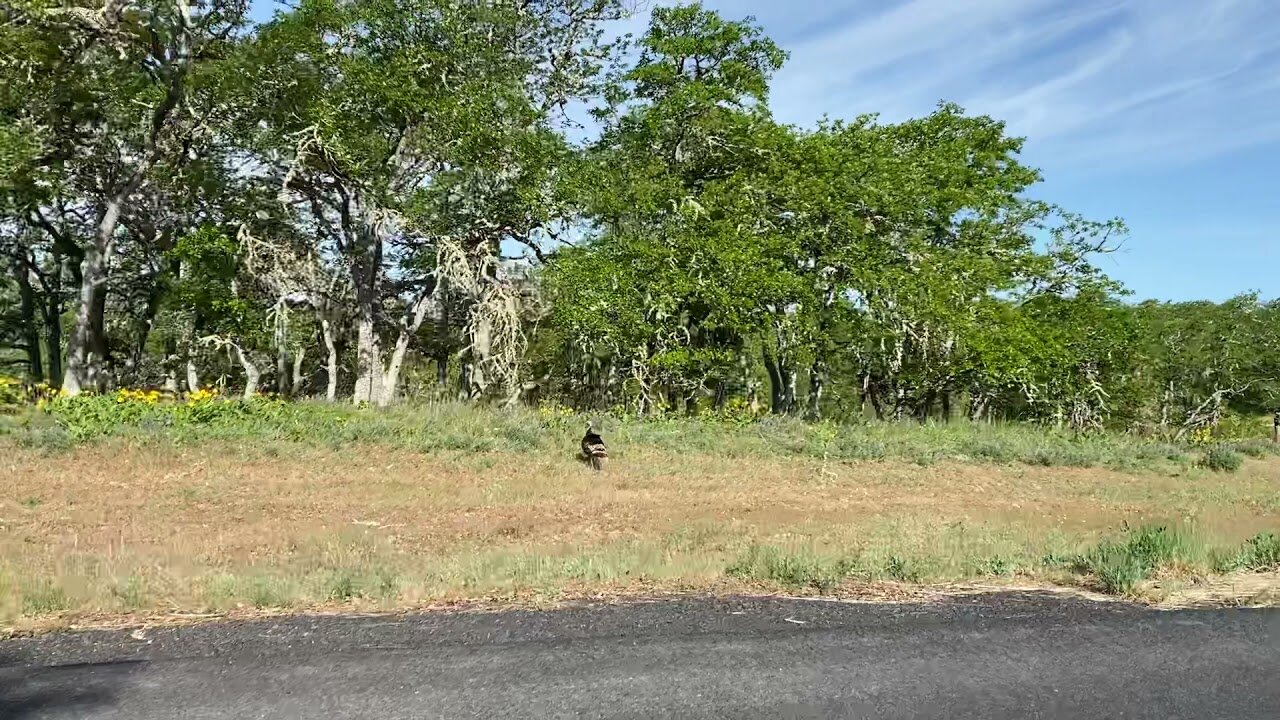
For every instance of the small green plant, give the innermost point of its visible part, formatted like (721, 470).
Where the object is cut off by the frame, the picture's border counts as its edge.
(1040, 457)
(267, 593)
(1057, 560)
(386, 583)
(1156, 545)
(33, 502)
(1257, 448)
(44, 599)
(1117, 571)
(791, 569)
(343, 586)
(1118, 567)
(1222, 459)
(1261, 553)
(997, 566)
(132, 593)
(901, 569)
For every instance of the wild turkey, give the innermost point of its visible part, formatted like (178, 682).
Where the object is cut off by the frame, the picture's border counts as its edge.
(594, 450)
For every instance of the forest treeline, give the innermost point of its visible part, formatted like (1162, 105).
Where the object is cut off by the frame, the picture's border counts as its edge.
(500, 200)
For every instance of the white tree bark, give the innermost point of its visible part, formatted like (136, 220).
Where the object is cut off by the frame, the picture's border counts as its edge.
(326, 329)
(295, 383)
(193, 375)
(252, 376)
(408, 329)
(369, 370)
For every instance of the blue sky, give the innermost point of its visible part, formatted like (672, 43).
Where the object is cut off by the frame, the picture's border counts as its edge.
(1164, 112)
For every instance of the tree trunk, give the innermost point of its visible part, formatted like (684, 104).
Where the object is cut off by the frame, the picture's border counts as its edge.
(464, 378)
(480, 352)
(369, 371)
(789, 398)
(924, 409)
(782, 385)
(946, 406)
(408, 328)
(27, 310)
(252, 376)
(749, 383)
(52, 310)
(977, 407)
(331, 363)
(284, 384)
(775, 384)
(817, 384)
(144, 325)
(85, 345)
(871, 393)
(442, 368)
(193, 375)
(295, 384)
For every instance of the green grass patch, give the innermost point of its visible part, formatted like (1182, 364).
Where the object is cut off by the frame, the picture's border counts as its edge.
(792, 569)
(457, 427)
(1118, 567)
(1222, 459)
(1261, 553)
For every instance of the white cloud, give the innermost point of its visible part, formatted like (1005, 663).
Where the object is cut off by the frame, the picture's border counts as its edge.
(1132, 83)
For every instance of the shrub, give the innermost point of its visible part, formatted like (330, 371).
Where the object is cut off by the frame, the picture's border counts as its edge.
(1118, 567)
(1117, 571)
(12, 392)
(1257, 448)
(901, 569)
(1261, 553)
(997, 566)
(1222, 459)
(791, 569)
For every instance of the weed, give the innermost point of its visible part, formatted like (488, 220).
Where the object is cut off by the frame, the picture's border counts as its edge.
(268, 593)
(997, 566)
(386, 584)
(791, 569)
(33, 502)
(1117, 571)
(901, 569)
(343, 586)
(1222, 459)
(1039, 457)
(1057, 560)
(132, 593)
(1156, 545)
(1256, 449)
(1118, 567)
(44, 599)
(1261, 553)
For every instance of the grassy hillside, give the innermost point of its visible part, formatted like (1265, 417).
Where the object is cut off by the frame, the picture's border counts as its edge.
(142, 507)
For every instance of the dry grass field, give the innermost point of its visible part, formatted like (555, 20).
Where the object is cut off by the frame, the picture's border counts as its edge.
(130, 526)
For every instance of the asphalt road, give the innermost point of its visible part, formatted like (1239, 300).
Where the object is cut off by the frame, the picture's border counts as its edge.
(986, 657)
